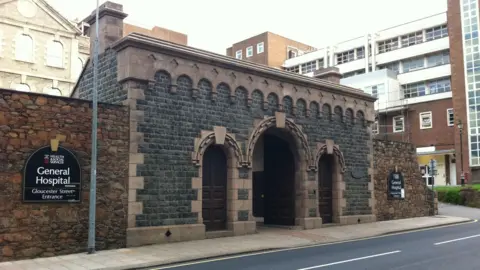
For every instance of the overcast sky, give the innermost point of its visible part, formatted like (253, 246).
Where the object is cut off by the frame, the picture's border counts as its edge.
(215, 25)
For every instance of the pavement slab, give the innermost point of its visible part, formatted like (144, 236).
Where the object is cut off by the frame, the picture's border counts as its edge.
(265, 239)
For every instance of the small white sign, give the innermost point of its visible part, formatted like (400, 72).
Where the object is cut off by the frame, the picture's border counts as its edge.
(403, 193)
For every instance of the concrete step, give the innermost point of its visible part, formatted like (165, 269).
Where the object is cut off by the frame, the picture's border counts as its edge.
(218, 234)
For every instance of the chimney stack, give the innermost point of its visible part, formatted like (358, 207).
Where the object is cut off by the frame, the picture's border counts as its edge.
(331, 74)
(110, 25)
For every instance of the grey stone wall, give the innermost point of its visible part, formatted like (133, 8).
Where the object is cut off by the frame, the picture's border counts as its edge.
(108, 89)
(172, 120)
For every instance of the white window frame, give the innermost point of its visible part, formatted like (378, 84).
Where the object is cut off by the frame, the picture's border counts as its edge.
(249, 51)
(375, 128)
(238, 54)
(450, 111)
(423, 114)
(394, 119)
(55, 55)
(260, 47)
(22, 53)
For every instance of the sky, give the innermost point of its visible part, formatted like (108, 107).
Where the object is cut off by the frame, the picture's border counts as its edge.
(215, 25)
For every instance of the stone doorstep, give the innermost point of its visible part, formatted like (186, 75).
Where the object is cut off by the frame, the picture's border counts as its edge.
(142, 259)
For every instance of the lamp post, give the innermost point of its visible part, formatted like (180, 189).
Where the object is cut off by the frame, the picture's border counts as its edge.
(460, 128)
(93, 167)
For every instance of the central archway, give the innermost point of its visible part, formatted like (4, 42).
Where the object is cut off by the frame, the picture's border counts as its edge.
(274, 178)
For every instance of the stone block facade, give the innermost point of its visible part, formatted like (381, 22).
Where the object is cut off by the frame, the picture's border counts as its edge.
(183, 101)
(30, 121)
(419, 198)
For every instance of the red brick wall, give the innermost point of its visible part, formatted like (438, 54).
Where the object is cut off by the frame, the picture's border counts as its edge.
(458, 80)
(440, 135)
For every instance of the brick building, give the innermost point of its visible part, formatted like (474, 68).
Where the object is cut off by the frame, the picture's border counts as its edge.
(157, 32)
(463, 26)
(268, 49)
(210, 133)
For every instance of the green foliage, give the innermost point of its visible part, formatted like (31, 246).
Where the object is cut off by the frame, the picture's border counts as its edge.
(457, 188)
(451, 196)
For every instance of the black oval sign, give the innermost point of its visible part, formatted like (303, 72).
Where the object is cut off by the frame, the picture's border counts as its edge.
(52, 176)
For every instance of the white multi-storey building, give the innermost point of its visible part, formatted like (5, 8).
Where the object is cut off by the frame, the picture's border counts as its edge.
(407, 67)
(417, 52)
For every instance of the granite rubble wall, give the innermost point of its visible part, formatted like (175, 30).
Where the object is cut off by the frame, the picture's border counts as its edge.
(29, 121)
(419, 200)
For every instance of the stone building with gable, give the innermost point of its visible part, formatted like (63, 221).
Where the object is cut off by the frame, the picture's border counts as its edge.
(218, 144)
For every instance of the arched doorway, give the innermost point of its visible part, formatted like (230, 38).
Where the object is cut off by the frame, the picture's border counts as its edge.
(325, 187)
(214, 188)
(274, 178)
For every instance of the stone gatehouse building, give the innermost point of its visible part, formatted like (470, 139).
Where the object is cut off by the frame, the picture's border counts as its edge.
(217, 143)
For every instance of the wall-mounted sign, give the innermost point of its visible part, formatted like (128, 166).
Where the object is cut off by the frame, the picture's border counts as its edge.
(52, 176)
(396, 185)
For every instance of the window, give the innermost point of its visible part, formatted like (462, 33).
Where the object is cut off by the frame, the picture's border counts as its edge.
(361, 53)
(309, 67)
(414, 90)
(436, 32)
(398, 124)
(378, 90)
(353, 73)
(470, 42)
(260, 47)
(22, 87)
(375, 90)
(24, 48)
(375, 127)
(238, 54)
(393, 66)
(52, 91)
(438, 59)
(345, 57)
(55, 54)
(450, 117)
(413, 64)
(292, 54)
(412, 39)
(295, 69)
(439, 86)
(387, 45)
(78, 66)
(249, 51)
(425, 120)
(321, 63)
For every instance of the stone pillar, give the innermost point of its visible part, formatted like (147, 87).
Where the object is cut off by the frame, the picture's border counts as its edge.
(110, 25)
(239, 201)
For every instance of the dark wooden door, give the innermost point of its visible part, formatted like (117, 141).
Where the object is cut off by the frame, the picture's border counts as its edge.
(279, 178)
(214, 200)
(258, 194)
(325, 188)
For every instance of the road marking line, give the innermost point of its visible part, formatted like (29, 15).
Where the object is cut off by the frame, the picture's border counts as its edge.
(257, 253)
(351, 260)
(458, 239)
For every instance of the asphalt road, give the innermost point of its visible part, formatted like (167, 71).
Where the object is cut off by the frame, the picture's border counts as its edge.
(456, 247)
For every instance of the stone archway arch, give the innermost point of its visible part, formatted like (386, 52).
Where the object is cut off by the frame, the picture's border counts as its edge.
(220, 137)
(337, 186)
(233, 152)
(323, 149)
(278, 121)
